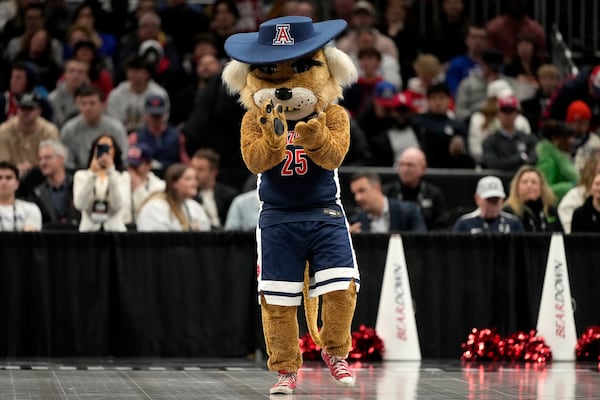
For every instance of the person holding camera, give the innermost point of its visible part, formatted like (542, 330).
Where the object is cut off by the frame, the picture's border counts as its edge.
(98, 190)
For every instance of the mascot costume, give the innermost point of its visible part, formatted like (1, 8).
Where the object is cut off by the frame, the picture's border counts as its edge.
(294, 137)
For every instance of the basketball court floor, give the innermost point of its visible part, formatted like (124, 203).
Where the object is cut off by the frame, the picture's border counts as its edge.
(242, 379)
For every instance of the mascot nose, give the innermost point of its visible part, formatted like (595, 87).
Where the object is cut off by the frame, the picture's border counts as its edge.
(283, 93)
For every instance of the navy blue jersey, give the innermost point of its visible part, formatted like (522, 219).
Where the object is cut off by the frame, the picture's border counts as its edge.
(297, 189)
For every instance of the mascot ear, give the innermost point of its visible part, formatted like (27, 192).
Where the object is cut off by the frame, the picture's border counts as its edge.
(234, 75)
(341, 66)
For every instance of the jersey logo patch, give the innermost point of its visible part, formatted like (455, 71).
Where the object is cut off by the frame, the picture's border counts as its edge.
(282, 35)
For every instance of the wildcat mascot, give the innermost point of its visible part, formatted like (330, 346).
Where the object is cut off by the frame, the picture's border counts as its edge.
(294, 137)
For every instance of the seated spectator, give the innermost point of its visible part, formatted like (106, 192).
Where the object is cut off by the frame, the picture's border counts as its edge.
(398, 133)
(98, 190)
(359, 95)
(215, 197)
(428, 72)
(508, 148)
(577, 195)
(378, 213)
(442, 138)
(549, 78)
(468, 63)
(126, 101)
(525, 62)
(139, 182)
(410, 186)
(587, 217)
(489, 217)
(166, 142)
(532, 201)
(62, 99)
(99, 74)
(174, 209)
(243, 212)
(505, 29)
(554, 157)
(585, 86)
(578, 118)
(444, 37)
(79, 132)
(486, 121)
(20, 136)
(36, 50)
(15, 215)
(86, 15)
(54, 196)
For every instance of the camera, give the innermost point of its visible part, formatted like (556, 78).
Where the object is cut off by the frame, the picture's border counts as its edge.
(102, 149)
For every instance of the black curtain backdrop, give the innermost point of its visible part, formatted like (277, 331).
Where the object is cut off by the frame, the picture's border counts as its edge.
(194, 295)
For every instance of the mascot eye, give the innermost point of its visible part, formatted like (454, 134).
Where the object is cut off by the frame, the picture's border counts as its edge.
(268, 69)
(304, 64)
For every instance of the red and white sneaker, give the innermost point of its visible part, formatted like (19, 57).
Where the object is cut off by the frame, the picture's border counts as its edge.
(286, 383)
(340, 371)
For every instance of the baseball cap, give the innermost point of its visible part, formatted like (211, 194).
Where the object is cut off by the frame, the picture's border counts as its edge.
(155, 105)
(490, 186)
(138, 154)
(509, 102)
(29, 100)
(595, 81)
(386, 94)
(364, 6)
(578, 110)
(498, 88)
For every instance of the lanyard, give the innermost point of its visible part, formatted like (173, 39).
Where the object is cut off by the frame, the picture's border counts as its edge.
(14, 218)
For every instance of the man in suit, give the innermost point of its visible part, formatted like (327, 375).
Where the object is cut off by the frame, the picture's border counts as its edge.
(214, 196)
(378, 213)
(54, 196)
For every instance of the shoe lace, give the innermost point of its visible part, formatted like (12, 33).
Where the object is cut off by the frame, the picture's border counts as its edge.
(287, 379)
(340, 366)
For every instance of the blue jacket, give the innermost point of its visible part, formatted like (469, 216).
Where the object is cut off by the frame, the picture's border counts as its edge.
(404, 216)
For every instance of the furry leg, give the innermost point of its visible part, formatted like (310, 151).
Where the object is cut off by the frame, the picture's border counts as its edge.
(337, 312)
(280, 327)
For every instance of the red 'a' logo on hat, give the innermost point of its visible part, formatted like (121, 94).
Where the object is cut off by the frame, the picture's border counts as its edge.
(282, 35)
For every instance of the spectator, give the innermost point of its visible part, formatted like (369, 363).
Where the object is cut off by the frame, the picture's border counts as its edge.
(429, 72)
(359, 95)
(585, 86)
(525, 62)
(174, 210)
(62, 99)
(587, 217)
(20, 136)
(126, 101)
(532, 201)
(554, 157)
(80, 132)
(578, 118)
(378, 213)
(98, 190)
(398, 133)
(410, 186)
(442, 138)
(468, 63)
(577, 195)
(23, 79)
(223, 23)
(485, 122)
(215, 197)
(549, 78)
(99, 72)
(85, 14)
(243, 212)
(54, 196)
(167, 143)
(505, 29)
(489, 217)
(36, 50)
(183, 22)
(15, 215)
(140, 182)
(445, 39)
(508, 148)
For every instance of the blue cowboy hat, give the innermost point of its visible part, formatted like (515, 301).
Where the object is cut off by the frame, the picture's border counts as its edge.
(282, 39)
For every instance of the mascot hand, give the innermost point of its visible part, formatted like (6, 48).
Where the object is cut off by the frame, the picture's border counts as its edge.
(312, 135)
(273, 124)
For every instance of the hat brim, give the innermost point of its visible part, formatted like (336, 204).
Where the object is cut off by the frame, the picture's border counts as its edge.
(245, 47)
(155, 111)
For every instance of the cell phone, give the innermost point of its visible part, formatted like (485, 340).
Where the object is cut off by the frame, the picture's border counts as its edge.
(102, 149)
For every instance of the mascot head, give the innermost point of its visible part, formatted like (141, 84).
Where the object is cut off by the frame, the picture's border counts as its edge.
(287, 61)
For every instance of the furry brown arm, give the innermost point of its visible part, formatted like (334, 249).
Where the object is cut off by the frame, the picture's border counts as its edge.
(326, 139)
(262, 148)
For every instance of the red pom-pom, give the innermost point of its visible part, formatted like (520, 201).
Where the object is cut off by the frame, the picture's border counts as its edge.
(366, 345)
(482, 345)
(536, 350)
(308, 347)
(588, 345)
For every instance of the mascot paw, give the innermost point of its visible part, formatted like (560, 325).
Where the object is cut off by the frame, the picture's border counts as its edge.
(312, 134)
(273, 124)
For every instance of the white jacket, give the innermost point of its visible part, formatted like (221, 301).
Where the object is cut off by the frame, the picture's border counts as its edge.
(156, 216)
(134, 199)
(572, 200)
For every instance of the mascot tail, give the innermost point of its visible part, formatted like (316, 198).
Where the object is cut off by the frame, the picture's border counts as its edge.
(311, 310)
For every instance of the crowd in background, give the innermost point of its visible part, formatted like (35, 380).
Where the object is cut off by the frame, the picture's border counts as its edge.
(117, 119)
